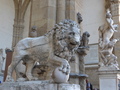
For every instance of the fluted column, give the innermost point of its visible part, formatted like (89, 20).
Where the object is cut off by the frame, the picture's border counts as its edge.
(70, 9)
(18, 27)
(43, 15)
(60, 10)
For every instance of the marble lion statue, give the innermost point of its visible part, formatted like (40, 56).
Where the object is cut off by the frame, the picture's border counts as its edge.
(55, 48)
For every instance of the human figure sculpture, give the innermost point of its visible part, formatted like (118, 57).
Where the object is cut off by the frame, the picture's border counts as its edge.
(106, 43)
(107, 56)
(33, 32)
(47, 50)
(107, 30)
(85, 39)
(79, 17)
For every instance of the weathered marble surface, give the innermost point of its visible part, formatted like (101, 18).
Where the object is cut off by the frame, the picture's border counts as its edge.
(52, 51)
(37, 85)
(106, 42)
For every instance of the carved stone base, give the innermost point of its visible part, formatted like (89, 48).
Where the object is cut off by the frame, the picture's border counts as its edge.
(37, 85)
(108, 68)
(109, 79)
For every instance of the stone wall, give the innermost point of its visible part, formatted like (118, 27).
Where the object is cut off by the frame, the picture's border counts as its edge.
(6, 23)
(92, 56)
(6, 26)
(79, 8)
(48, 12)
(93, 76)
(115, 10)
(93, 17)
(27, 22)
(7, 14)
(43, 15)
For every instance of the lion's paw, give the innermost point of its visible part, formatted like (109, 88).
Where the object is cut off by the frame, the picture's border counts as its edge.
(9, 79)
(33, 78)
(21, 79)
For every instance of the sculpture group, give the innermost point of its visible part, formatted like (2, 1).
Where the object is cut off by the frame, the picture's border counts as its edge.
(106, 42)
(52, 50)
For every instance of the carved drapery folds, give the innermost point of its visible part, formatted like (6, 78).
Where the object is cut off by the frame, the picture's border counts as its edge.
(18, 27)
(106, 42)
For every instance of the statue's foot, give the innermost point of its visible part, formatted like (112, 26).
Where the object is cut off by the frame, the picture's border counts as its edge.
(31, 78)
(21, 79)
(34, 78)
(9, 79)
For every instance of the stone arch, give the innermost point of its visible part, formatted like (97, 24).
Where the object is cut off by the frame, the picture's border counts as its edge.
(18, 27)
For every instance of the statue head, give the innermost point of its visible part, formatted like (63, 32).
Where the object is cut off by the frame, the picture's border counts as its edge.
(108, 14)
(79, 17)
(86, 34)
(68, 31)
(34, 28)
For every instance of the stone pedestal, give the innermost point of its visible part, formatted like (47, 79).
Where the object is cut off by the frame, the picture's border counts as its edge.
(109, 78)
(37, 85)
(80, 78)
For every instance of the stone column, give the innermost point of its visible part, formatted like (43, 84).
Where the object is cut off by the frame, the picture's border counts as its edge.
(70, 14)
(82, 51)
(18, 27)
(70, 9)
(60, 10)
(74, 74)
(51, 14)
(43, 15)
(82, 71)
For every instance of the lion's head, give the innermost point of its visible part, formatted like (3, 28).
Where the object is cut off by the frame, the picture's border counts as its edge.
(66, 34)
